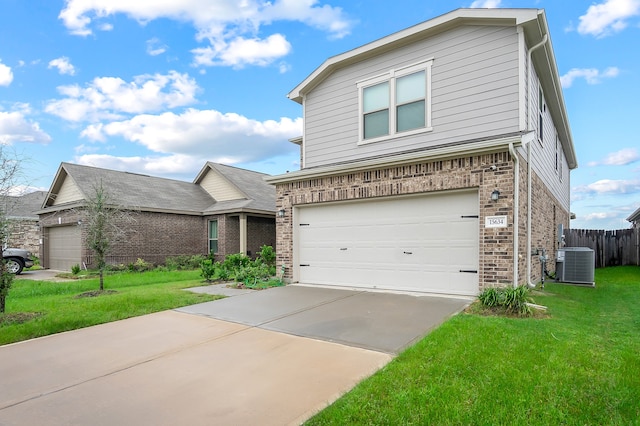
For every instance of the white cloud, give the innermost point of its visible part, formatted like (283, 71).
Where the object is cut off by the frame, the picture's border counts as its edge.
(111, 97)
(6, 75)
(591, 75)
(609, 17)
(241, 51)
(224, 24)
(618, 158)
(203, 134)
(486, 4)
(599, 216)
(181, 141)
(609, 186)
(16, 127)
(155, 47)
(63, 65)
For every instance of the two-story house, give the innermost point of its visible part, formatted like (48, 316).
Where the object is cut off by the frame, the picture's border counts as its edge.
(435, 159)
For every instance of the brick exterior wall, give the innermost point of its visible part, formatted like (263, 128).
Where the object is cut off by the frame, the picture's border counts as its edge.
(24, 234)
(151, 236)
(261, 231)
(469, 172)
(546, 214)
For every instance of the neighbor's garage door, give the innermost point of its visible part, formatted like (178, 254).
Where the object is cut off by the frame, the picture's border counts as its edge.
(421, 243)
(65, 249)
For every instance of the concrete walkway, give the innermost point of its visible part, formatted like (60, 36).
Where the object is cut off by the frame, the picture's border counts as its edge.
(236, 361)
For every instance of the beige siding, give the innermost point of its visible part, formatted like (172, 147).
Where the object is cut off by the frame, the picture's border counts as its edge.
(219, 188)
(69, 192)
(475, 92)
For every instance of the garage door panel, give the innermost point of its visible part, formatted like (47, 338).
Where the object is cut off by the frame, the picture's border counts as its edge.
(64, 247)
(411, 243)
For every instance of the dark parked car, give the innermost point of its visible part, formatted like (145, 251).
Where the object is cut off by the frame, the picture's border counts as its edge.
(17, 259)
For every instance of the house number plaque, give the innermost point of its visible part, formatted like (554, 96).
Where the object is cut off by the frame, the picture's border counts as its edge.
(495, 222)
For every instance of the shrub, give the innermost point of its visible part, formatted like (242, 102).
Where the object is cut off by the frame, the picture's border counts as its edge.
(140, 265)
(512, 299)
(236, 261)
(208, 269)
(75, 269)
(184, 262)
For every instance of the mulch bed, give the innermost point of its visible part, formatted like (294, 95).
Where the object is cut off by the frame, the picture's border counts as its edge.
(476, 308)
(18, 317)
(95, 293)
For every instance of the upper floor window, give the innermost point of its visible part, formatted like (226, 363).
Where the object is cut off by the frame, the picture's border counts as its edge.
(396, 104)
(542, 109)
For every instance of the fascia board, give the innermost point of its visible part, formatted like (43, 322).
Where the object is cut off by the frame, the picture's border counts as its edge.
(634, 216)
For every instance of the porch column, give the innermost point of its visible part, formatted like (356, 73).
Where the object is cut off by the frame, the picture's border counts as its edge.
(243, 233)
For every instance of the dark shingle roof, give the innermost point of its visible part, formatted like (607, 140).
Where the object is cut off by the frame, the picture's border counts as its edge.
(23, 206)
(137, 191)
(140, 191)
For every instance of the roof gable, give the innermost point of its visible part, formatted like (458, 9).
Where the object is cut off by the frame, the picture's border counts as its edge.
(68, 192)
(533, 24)
(217, 185)
(257, 193)
(422, 30)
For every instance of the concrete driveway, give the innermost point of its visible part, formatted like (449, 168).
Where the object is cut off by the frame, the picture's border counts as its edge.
(268, 357)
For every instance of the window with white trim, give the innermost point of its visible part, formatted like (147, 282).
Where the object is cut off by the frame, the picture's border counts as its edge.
(397, 103)
(557, 153)
(213, 236)
(542, 109)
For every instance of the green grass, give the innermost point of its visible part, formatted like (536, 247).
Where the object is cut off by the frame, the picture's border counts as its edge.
(60, 309)
(580, 366)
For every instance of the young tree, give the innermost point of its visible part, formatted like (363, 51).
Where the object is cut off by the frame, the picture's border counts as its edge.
(8, 174)
(105, 223)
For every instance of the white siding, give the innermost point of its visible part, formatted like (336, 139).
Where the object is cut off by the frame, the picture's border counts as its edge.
(69, 192)
(475, 88)
(219, 188)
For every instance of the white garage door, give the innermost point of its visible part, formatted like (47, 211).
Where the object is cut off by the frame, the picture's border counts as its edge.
(421, 243)
(65, 248)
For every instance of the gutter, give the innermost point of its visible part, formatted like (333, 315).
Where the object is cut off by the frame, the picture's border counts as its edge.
(516, 214)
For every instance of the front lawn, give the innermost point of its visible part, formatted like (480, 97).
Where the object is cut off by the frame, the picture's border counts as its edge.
(579, 366)
(55, 306)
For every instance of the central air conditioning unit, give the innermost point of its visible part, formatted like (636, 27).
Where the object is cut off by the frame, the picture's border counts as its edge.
(576, 265)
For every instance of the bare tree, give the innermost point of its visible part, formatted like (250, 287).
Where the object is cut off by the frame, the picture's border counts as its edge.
(105, 223)
(8, 175)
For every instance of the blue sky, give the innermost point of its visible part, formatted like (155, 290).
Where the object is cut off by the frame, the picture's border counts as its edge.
(160, 87)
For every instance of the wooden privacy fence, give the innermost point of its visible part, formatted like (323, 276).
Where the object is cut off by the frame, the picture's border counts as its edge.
(611, 248)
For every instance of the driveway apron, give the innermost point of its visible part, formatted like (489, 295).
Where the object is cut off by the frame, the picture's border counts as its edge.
(268, 358)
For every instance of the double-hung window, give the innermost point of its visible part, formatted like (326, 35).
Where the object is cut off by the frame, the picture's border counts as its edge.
(213, 236)
(395, 104)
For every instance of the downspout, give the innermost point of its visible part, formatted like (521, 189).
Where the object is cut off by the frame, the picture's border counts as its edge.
(516, 205)
(530, 128)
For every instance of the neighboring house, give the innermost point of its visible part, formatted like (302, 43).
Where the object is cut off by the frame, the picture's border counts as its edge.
(635, 219)
(225, 210)
(435, 159)
(22, 219)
